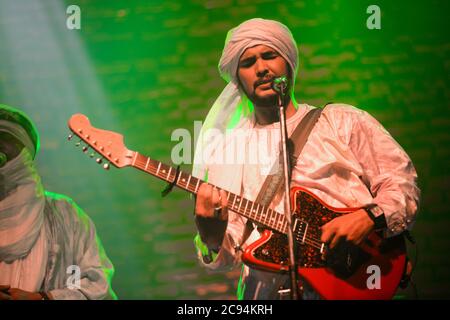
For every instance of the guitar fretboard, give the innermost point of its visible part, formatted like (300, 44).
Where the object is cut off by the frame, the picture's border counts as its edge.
(249, 209)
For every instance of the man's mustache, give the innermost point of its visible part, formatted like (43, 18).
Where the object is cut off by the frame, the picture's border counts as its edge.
(263, 81)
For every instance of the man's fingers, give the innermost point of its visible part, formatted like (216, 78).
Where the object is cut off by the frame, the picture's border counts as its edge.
(223, 196)
(209, 199)
(204, 192)
(334, 241)
(330, 234)
(203, 204)
(224, 203)
(327, 233)
(216, 198)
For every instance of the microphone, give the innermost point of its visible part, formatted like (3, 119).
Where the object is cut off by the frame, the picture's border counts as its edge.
(3, 159)
(280, 84)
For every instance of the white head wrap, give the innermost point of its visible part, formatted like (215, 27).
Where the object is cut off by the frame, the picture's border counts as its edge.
(22, 203)
(22, 210)
(231, 109)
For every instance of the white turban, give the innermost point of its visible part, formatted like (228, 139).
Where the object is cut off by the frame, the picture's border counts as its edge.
(255, 32)
(231, 109)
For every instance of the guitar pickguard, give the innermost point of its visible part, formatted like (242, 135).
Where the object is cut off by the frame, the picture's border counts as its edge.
(306, 209)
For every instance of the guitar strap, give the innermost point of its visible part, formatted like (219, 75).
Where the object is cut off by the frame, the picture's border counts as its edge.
(274, 182)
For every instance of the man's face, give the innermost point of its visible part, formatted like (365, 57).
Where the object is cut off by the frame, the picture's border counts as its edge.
(257, 67)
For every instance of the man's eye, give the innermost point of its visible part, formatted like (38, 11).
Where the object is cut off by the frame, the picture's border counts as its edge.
(269, 55)
(246, 63)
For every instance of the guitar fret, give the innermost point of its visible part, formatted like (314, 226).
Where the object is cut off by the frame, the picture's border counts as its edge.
(270, 219)
(196, 188)
(277, 217)
(266, 216)
(159, 167)
(257, 210)
(168, 174)
(279, 222)
(251, 209)
(146, 165)
(262, 215)
(187, 183)
(179, 176)
(234, 200)
(134, 159)
(240, 203)
(274, 223)
(245, 209)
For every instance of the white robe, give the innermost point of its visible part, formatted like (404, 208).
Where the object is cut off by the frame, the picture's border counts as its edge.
(350, 160)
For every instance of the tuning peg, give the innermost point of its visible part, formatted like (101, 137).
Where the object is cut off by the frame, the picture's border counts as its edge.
(106, 166)
(78, 143)
(85, 149)
(99, 160)
(92, 155)
(70, 137)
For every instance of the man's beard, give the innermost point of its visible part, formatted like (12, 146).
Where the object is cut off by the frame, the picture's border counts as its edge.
(270, 101)
(264, 102)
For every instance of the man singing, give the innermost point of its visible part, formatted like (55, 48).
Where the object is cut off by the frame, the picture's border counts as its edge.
(349, 159)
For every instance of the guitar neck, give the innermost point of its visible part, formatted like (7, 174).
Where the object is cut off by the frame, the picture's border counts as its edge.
(249, 209)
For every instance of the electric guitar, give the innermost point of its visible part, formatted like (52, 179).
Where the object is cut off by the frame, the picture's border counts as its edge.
(372, 270)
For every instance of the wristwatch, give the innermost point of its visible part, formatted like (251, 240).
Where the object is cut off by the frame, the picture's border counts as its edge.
(377, 215)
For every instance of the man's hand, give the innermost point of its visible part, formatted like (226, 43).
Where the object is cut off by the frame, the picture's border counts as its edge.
(354, 227)
(208, 198)
(7, 293)
(211, 214)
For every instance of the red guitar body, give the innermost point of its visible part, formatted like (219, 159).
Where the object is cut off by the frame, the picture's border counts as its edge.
(372, 270)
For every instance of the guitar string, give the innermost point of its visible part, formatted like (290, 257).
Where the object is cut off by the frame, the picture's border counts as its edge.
(310, 240)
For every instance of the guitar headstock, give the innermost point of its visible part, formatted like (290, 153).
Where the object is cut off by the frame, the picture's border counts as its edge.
(106, 143)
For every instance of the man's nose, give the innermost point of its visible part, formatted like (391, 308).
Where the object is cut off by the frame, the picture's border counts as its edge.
(261, 68)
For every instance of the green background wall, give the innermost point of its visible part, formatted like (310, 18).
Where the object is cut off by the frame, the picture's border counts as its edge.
(147, 68)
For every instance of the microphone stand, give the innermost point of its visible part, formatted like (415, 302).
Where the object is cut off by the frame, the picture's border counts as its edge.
(287, 203)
